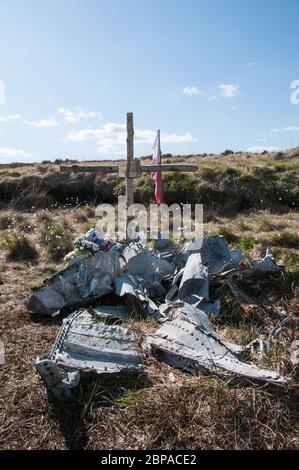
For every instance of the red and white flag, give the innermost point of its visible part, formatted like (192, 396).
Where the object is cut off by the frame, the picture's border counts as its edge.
(157, 175)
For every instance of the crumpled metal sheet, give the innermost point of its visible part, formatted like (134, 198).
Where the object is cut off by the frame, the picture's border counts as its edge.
(85, 345)
(142, 273)
(194, 286)
(150, 267)
(192, 344)
(136, 286)
(236, 256)
(243, 298)
(266, 264)
(186, 311)
(186, 338)
(195, 282)
(97, 275)
(88, 276)
(58, 381)
(109, 312)
(215, 254)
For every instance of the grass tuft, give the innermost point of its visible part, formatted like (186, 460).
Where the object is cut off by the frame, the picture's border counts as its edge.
(228, 234)
(20, 248)
(58, 239)
(286, 240)
(5, 222)
(243, 227)
(247, 243)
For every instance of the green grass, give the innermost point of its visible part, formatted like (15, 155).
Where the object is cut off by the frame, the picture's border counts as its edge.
(247, 243)
(127, 401)
(228, 234)
(265, 224)
(288, 258)
(243, 227)
(88, 225)
(285, 239)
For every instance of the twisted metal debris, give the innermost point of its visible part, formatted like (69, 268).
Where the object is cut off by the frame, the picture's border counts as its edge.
(169, 284)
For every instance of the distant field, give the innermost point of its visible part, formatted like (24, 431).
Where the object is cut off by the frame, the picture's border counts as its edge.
(253, 200)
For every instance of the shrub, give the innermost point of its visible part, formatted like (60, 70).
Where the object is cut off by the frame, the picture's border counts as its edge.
(209, 174)
(20, 248)
(227, 152)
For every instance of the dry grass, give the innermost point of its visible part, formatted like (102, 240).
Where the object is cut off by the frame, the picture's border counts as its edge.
(164, 408)
(19, 248)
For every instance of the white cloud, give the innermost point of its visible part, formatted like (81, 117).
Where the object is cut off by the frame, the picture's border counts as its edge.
(285, 129)
(111, 138)
(262, 148)
(291, 128)
(110, 150)
(43, 123)
(11, 117)
(214, 98)
(228, 91)
(7, 152)
(116, 133)
(192, 90)
(178, 139)
(250, 64)
(72, 117)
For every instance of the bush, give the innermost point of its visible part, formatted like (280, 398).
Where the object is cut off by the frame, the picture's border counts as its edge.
(227, 152)
(20, 248)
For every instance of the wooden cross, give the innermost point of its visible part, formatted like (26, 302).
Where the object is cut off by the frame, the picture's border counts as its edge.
(130, 168)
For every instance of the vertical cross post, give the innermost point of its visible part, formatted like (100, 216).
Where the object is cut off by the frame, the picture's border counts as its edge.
(130, 157)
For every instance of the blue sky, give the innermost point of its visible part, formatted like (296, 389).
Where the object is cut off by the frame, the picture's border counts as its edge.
(210, 74)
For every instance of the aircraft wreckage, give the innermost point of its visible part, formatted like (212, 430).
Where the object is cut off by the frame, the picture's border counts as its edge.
(171, 285)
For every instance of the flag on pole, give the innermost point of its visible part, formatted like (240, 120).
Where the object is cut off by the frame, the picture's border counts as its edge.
(157, 175)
